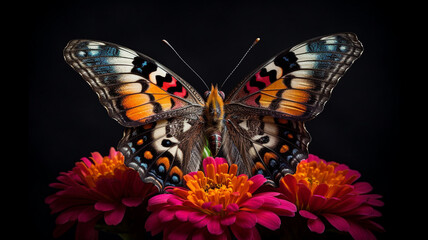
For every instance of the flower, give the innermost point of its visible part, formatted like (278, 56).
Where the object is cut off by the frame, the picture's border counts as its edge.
(99, 188)
(215, 202)
(326, 192)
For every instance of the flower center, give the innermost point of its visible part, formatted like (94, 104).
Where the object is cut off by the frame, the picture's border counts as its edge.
(316, 173)
(100, 167)
(219, 188)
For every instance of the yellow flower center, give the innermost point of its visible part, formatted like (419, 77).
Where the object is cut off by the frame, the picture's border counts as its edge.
(316, 173)
(221, 187)
(104, 168)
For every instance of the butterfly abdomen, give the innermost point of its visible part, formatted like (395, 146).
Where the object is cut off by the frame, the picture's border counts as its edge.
(214, 115)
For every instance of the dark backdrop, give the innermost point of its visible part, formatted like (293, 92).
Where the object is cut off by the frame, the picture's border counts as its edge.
(359, 126)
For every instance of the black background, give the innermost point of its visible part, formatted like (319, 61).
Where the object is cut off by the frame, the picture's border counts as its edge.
(359, 126)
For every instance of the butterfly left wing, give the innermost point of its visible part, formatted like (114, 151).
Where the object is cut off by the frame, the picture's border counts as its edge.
(292, 87)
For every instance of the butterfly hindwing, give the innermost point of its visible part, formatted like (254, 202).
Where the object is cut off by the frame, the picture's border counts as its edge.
(298, 82)
(265, 145)
(134, 88)
(163, 151)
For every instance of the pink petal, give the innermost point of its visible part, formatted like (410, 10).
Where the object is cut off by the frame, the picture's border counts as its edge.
(206, 161)
(228, 220)
(316, 225)
(245, 234)
(115, 217)
(317, 202)
(217, 207)
(88, 214)
(307, 214)
(214, 226)
(303, 194)
(86, 161)
(258, 180)
(153, 224)
(104, 206)
(253, 203)
(166, 214)
(336, 221)
(321, 189)
(97, 157)
(182, 215)
(196, 216)
(362, 187)
(360, 233)
(233, 207)
(268, 219)
(132, 201)
(246, 220)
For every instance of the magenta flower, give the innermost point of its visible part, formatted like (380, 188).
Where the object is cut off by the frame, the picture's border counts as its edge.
(216, 203)
(97, 189)
(326, 192)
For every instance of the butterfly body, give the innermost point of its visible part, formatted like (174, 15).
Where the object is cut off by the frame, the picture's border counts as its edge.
(260, 125)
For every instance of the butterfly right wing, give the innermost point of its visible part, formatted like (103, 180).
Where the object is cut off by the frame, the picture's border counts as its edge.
(163, 112)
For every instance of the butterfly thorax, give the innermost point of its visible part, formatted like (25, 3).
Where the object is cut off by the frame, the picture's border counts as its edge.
(214, 115)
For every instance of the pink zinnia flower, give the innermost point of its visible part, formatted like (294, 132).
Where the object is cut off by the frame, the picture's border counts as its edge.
(215, 203)
(99, 188)
(326, 192)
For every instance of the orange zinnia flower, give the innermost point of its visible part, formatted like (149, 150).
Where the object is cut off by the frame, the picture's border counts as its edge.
(325, 191)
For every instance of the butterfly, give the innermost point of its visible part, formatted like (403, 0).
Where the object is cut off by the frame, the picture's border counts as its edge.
(260, 125)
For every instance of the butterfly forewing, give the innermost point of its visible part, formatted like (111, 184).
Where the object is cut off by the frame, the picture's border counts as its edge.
(134, 88)
(297, 82)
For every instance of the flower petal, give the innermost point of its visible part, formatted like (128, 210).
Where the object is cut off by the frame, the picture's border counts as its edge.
(196, 216)
(258, 180)
(182, 215)
(104, 206)
(228, 220)
(246, 219)
(132, 201)
(115, 217)
(166, 214)
(307, 214)
(268, 219)
(153, 224)
(316, 225)
(359, 232)
(88, 214)
(336, 221)
(214, 226)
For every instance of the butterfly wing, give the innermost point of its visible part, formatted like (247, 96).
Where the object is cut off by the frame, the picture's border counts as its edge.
(134, 88)
(292, 87)
(163, 140)
(164, 151)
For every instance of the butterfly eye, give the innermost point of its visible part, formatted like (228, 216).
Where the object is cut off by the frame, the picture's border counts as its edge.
(206, 94)
(221, 93)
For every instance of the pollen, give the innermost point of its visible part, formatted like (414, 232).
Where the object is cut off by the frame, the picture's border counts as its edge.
(219, 186)
(100, 167)
(316, 173)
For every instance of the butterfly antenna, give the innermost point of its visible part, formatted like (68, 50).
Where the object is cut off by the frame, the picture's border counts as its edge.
(252, 45)
(169, 45)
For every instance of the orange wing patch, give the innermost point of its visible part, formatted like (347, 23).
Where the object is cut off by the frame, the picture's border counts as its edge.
(142, 101)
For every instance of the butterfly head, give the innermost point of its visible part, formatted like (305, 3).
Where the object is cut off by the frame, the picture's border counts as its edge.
(214, 103)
